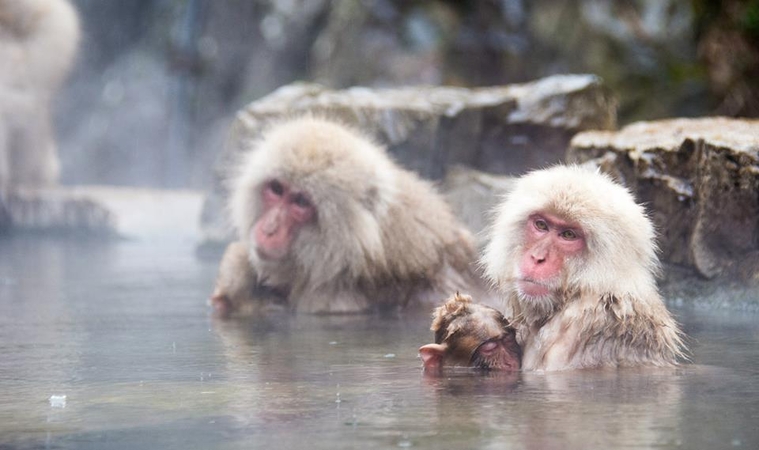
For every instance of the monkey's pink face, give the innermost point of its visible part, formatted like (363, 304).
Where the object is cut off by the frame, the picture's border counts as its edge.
(285, 212)
(549, 241)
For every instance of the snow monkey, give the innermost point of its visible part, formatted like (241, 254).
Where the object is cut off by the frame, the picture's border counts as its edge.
(471, 335)
(575, 258)
(328, 223)
(38, 43)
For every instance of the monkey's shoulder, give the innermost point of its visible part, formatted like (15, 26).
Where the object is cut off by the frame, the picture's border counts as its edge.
(628, 331)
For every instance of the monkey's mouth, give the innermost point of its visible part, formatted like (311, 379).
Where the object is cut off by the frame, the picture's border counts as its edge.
(268, 256)
(533, 288)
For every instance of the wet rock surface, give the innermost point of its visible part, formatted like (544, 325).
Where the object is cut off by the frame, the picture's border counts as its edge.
(504, 130)
(699, 179)
(473, 195)
(54, 210)
(104, 212)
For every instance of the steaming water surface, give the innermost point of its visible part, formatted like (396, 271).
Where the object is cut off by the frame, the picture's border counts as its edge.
(122, 331)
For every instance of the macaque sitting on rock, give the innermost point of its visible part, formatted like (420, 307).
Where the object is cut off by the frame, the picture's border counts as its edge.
(471, 335)
(328, 223)
(574, 256)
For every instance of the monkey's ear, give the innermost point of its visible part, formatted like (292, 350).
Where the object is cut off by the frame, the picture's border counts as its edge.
(432, 355)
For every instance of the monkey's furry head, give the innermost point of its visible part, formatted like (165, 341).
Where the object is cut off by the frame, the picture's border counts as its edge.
(460, 313)
(620, 255)
(335, 165)
(372, 217)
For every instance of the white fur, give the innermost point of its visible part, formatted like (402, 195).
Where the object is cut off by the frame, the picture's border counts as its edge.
(619, 235)
(38, 43)
(380, 233)
(607, 310)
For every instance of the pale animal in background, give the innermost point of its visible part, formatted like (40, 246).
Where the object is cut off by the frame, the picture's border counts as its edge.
(328, 223)
(469, 334)
(38, 44)
(575, 258)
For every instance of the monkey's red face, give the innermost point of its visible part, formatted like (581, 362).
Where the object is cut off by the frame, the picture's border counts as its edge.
(549, 241)
(285, 211)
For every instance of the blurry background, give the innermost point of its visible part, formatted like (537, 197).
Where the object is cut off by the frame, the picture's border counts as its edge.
(157, 82)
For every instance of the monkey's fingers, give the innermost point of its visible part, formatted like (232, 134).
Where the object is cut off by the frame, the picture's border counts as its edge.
(222, 306)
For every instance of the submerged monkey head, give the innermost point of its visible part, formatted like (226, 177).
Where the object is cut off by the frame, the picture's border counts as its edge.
(471, 335)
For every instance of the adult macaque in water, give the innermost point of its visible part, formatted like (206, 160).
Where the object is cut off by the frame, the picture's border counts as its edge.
(471, 335)
(327, 223)
(38, 42)
(574, 255)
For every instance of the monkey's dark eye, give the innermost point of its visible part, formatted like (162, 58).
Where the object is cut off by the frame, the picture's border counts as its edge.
(568, 235)
(301, 201)
(541, 225)
(276, 188)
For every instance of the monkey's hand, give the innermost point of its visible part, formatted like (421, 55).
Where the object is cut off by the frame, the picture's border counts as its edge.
(235, 283)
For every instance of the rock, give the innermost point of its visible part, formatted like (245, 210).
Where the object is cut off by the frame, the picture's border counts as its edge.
(504, 129)
(54, 210)
(699, 178)
(144, 214)
(473, 195)
(150, 215)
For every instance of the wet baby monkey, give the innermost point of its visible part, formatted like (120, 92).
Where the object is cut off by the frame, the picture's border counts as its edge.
(469, 334)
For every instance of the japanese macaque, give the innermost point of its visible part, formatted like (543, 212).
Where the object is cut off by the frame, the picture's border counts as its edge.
(575, 258)
(38, 42)
(471, 335)
(328, 223)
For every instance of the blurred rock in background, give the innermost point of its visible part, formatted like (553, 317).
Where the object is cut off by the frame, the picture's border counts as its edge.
(504, 129)
(38, 46)
(158, 81)
(699, 179)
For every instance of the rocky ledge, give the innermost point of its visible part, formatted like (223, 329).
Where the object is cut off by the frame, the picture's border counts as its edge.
(111, 212)
(699, 179)
(54, 210)
(504, 129)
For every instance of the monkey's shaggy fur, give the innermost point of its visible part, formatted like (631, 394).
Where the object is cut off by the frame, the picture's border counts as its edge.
(608, 311)
(382, 236)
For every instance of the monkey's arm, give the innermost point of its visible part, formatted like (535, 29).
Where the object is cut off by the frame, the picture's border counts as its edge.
(235, 283)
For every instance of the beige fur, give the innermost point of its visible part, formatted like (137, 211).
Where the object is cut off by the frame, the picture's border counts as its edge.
(38, 43)
(607, 311)
(382, 237)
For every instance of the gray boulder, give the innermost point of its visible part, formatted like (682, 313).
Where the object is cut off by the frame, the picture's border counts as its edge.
(504, 129)
(699, 178)
(54, 210)
(473, 195)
